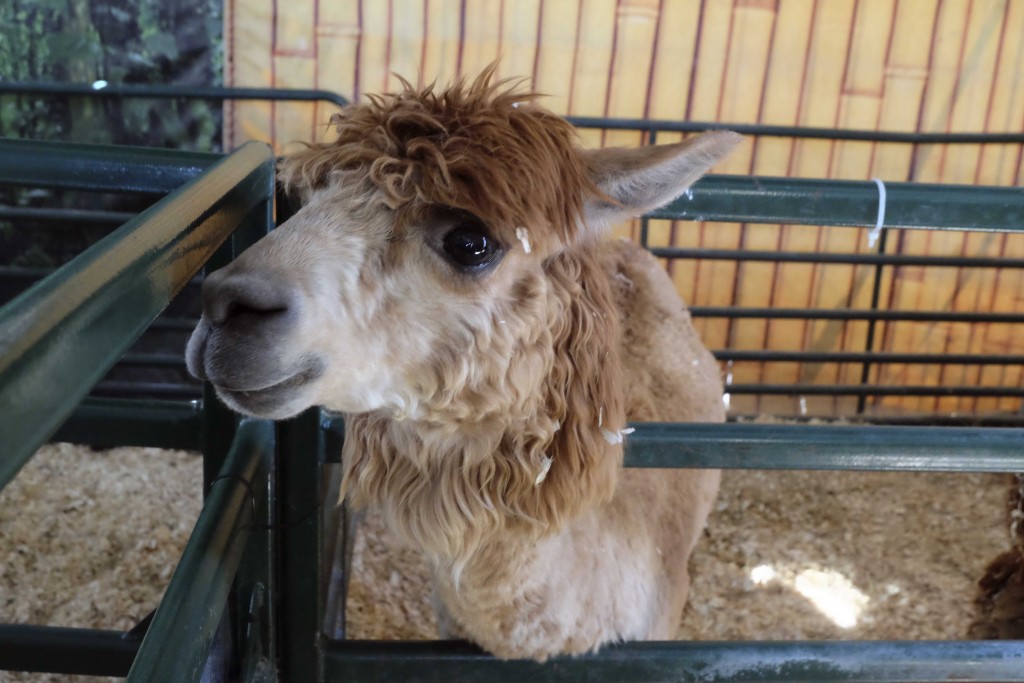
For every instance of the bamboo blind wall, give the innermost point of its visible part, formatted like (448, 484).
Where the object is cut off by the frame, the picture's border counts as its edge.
(897, 65)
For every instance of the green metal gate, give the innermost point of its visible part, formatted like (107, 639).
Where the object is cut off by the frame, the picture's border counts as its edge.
(246, 598)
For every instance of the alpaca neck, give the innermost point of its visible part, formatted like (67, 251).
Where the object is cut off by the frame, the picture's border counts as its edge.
(515, 444)
(445, 491)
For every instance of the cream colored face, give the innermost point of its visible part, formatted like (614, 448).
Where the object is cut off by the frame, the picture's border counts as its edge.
(351, 306)
(358, 307)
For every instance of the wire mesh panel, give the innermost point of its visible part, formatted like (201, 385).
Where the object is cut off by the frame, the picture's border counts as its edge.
(864, 299)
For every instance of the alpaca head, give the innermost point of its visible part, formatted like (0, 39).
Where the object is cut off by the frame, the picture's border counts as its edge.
(439, 257)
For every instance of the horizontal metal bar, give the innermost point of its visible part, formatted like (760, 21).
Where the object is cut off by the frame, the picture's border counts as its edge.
(178, 640)
(59, 650)
(881, 357)
(98, 168)
(709, 662)
(24, 273)
(33, 274)
(768, 313)
(107, 423)
(851, 259)
(806, 201)
(852, 314)
(799, 446)
(61, 336)
(225, 93)
(30, 213)
(161, 360)
(757, 129)
(172, 92)
(736, 355)
(286, 94)
(826, 447)
(174, 324)
(906, 419)
(872, 390)
(163, 390)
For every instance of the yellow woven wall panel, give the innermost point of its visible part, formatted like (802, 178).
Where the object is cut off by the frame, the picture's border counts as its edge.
(897, 65)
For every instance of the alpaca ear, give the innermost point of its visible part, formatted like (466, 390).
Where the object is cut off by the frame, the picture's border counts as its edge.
(641, 179)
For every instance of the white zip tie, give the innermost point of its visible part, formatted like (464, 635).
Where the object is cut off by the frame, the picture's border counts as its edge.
(876, 232)
(726, 398)
(616, 436)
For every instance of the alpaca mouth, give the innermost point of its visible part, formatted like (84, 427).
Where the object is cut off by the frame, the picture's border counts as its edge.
(270, 400)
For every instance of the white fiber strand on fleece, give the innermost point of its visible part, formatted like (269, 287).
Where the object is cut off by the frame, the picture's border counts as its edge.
(524, 236)
(545, 465)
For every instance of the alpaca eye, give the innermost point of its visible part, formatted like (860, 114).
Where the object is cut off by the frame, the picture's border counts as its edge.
(469, 246)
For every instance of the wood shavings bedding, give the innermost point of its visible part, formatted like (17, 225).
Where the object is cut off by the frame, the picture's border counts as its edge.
(902, 552)
(90, 539)
(787, 556)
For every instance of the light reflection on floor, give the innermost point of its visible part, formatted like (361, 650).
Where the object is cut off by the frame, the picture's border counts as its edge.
(832, 593)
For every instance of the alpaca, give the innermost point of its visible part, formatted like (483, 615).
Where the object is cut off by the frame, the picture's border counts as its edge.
(999, 603)
(447, 287)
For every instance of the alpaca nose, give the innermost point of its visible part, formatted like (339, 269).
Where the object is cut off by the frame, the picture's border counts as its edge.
(232, 295)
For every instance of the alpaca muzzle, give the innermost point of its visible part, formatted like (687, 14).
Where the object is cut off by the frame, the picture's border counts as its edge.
(241, 345)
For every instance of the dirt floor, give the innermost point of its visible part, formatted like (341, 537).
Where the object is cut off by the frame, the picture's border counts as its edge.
(90, 539)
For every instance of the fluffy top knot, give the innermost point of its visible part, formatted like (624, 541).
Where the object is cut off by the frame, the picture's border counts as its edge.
(485, 147)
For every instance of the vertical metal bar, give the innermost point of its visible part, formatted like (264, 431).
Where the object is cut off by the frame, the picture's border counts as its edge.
(179, 639)
(300, 459)
(296, 584)
(218, 420)
(348, 524)
(254, 602)
(338, 558)
(256, 575)
(219, 431)
(869, 343)
(652, 138)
